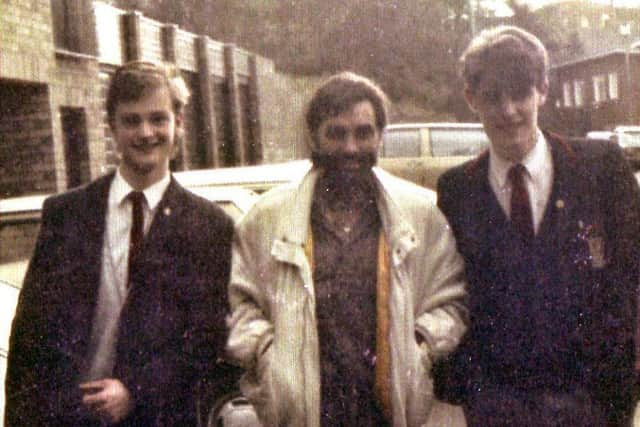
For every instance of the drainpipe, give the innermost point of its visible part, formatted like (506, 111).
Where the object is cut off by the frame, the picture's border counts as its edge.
(629, 82)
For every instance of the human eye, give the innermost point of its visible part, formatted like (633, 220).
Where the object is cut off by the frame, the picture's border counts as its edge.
(335, 133)
(130, 120)
(159, 119)
(490, 96)
(364, 132)
(520, 92)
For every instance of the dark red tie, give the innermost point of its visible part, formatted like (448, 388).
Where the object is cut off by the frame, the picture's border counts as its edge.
(521, 216)
(137, 227)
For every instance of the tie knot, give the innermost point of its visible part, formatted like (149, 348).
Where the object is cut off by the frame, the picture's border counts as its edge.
(516, 172)
(137, 198)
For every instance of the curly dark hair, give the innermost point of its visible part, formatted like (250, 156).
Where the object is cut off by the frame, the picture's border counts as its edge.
(338, 94)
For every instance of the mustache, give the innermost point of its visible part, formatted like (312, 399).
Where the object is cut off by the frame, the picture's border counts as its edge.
(329, 161)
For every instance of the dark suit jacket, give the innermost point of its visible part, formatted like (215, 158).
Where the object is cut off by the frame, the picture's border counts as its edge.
(558, 316)
(172, 327)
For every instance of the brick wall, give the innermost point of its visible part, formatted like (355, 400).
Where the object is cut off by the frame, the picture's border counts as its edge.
(282, 99)
(22, 236)
(75, 84)
(26, 147)
(26, 40)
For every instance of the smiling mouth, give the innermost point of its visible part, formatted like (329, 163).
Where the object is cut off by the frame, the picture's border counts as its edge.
(147, 146)
(508, 127)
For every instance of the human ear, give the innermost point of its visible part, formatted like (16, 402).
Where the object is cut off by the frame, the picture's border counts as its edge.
(543, 91)
(470, 98)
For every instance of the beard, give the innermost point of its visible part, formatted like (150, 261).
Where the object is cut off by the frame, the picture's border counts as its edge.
(335, 162)
(350, 186)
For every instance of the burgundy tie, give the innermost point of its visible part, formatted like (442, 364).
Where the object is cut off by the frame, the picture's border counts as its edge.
(137, 227)
(521, 216)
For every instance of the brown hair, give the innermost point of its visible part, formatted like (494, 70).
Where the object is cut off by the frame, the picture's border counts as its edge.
(516, 55)
(338, 94)
(133, 79)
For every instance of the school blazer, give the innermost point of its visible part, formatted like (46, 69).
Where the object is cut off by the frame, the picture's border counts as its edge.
(592, 225)
(172, 323)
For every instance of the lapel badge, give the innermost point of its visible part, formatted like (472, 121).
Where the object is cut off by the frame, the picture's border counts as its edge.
(595, 242)
(596, 251)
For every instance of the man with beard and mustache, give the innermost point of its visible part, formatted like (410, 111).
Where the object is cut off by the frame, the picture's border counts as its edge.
(548, 228)
(345, 286)
(122, 312)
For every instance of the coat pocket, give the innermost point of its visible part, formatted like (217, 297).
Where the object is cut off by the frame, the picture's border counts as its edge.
(420, 392)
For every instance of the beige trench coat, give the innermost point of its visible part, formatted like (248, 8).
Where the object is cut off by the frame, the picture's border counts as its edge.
(273, 323)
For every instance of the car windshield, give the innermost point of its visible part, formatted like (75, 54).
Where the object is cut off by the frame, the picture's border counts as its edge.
(458, 141)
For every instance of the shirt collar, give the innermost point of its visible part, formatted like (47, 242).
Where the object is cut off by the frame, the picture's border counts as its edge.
(535, 162)
(120, 189)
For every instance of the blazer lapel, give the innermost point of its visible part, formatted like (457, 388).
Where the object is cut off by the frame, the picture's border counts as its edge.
(483, 211)
(91, 227)
(86, 258)
(564, 205)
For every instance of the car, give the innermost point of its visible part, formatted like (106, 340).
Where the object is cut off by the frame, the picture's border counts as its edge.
(627, 137)
(421, 152)
(9, 296)
(258, 178)
(433, 140)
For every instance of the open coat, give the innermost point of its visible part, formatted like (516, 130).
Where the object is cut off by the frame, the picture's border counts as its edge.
(273, 323)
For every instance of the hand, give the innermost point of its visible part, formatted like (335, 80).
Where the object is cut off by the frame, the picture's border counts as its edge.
(108, 399)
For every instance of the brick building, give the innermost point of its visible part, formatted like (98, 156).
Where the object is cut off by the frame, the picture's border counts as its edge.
(56, 57)
(594, 93)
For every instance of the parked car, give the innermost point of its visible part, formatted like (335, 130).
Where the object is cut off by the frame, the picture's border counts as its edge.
(258, 178)
(433, 140)
(628, 137)
(9, 298)
(421, 152)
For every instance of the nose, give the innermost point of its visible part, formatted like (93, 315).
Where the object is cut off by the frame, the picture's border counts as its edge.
(146, 129)
(507, 106)
(350, 144)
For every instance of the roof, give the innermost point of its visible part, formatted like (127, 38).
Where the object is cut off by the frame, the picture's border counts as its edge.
(595, 57)
(434, 125)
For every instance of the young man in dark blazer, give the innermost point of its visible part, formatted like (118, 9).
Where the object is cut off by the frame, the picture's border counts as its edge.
(549, 231)
(122, 310)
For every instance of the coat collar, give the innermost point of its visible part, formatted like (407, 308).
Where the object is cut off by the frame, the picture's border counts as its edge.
(564, 198)
(561, 153)
(294, 224)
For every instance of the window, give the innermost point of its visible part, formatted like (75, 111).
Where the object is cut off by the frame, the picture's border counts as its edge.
(76, 152)
(578, 93)
(599, 88)
(444, 140)
(566, 94)
(625, 29)
(613, 85)
(402, 143)
(71, 20)
(458, 141)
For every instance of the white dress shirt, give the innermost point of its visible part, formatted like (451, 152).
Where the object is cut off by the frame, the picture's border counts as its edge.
(115, 258)
(538, 179)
